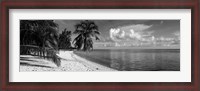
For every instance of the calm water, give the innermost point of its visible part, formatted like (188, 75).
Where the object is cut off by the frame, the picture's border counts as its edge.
(136, 59)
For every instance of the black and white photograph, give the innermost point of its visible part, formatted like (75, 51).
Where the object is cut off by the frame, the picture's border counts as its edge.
(99, 45)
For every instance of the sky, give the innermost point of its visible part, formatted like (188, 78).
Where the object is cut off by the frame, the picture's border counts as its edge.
(132, 33)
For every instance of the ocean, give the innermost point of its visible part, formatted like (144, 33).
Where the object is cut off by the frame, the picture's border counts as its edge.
(135, 59)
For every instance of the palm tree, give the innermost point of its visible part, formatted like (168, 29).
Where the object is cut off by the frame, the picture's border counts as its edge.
(86, 30)
(65, 40)
(39, 37)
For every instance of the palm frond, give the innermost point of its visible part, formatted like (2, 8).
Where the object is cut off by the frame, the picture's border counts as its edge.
(64, 40)
(86, 30)
(40, 33)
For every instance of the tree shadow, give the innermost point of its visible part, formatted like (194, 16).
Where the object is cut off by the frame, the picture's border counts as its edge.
(28, 60)
(27, 64)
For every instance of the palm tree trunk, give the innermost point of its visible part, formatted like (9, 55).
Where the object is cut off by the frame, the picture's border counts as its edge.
(85, 44)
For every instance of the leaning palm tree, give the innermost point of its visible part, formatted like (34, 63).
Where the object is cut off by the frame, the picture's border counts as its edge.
(86, 30)
(39, 37)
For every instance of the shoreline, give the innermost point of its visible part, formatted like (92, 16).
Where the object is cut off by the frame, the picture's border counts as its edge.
(69, 62)
(87, 63)
(93, 65)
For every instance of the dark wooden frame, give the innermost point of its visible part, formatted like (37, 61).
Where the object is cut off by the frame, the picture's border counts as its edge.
(137, 86)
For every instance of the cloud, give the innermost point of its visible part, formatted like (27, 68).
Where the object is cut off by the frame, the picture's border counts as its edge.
(135, 27)
(136, 32)
(161, 22)
(138, 35)
(177, 33)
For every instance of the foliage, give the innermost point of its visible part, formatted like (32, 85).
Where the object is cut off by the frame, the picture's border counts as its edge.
(39, 37)
(65, 40)
(86, 30)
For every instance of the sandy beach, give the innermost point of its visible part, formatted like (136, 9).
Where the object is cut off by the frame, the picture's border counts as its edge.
(69, 62)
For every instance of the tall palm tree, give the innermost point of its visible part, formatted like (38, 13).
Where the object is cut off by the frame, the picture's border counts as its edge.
(40, 37)
(86, 30)
(65, 40)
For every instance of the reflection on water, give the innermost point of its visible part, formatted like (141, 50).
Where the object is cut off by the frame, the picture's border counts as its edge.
(132, 59)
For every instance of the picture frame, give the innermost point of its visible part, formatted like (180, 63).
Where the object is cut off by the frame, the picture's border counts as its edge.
(134, 86)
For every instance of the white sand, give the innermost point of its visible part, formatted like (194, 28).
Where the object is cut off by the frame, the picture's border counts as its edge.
(69, 62)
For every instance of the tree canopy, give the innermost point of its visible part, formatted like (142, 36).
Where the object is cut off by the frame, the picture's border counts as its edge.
(86, 31)
(39, 37)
